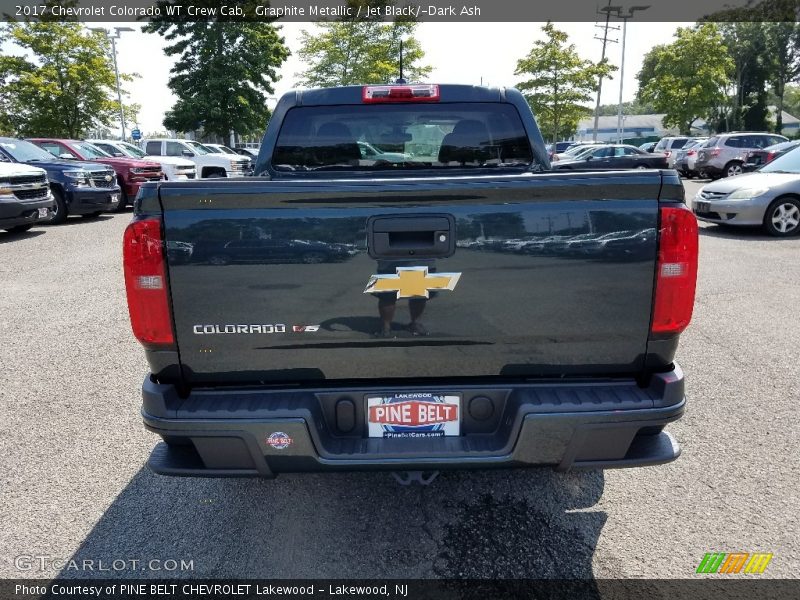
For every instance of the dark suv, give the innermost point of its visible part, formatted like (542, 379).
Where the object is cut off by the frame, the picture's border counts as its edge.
(721, 155)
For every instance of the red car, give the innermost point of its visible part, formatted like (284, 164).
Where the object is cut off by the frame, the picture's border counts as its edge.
(131, 172)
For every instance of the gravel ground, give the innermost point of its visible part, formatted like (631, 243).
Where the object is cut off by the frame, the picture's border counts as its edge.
(72, 450)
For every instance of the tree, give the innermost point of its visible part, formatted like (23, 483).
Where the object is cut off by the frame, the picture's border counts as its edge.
(791, 99)
(225, 71)
(783, 54)
(63, 86)
(745, 42)
(628, 108)
(357, 52)
(558, 82)
(688, 76)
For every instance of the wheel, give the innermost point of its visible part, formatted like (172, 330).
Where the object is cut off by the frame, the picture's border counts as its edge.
(19, 228)
(783, 217)
(60, 210)
(219, 259)
(314, 258)
(123, 197)
(733, 168)
(213, 173)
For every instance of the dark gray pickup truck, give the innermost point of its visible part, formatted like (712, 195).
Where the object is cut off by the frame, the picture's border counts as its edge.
(451, 303)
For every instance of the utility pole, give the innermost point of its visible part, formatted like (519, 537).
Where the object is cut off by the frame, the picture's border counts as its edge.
(117, 33)
(608, 10)
(625, 17)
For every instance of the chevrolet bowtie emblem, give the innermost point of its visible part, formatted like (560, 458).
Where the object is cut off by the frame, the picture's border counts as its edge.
(412, 282)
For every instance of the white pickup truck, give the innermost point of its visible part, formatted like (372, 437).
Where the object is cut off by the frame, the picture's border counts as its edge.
(208, 162)
(25, 197)
(173, 167)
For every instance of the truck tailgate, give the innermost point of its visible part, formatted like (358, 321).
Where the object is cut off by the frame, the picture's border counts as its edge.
(549, 274)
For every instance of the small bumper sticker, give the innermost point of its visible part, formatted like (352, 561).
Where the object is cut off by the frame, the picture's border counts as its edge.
(279, 440)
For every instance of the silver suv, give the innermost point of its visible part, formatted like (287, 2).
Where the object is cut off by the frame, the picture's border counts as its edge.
(669, 146)
(723, 154)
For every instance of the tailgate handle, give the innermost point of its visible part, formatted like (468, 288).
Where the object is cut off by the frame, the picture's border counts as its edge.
(421, 236)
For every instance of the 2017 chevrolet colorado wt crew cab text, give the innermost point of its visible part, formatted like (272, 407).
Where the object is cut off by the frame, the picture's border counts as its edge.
(456, 331)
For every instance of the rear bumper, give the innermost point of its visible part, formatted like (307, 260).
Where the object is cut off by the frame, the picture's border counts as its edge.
(602, 424)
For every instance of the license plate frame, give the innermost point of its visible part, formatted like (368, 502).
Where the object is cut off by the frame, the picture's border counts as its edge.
(113, 198)
(43, 213)
(703, 207)
(412, 415)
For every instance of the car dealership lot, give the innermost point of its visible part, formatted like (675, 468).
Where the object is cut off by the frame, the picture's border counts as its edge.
(73, 484)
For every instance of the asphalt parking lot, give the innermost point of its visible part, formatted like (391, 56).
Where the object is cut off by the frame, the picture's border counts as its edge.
(72, 450)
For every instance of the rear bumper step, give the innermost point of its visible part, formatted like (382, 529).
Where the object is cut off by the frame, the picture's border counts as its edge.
(240, 433)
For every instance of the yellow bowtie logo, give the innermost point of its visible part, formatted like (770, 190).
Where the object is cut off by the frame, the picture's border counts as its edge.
(412, 282)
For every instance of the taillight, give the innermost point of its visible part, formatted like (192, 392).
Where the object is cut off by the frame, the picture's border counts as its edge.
(146, 283)
(690, 153)
(400, 93)
(770, 156)
(715, 152)
(676, 277)
(667, 154)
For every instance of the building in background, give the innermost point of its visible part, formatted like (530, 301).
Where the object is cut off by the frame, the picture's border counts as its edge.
(638, 129)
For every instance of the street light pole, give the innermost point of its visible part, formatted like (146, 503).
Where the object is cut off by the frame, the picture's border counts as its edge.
(117, 33)
(624, 17)
(621, 79)
(608, 10)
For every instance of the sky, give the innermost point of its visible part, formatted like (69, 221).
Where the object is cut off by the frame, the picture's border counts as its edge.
(469, 53)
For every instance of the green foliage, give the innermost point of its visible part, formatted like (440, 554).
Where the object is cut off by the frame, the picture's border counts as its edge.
(558, 83)
(628, 108)
(686, 79)
(791, 99)
(358, 52)
(225, 71)
(62, 87)
(783, 56)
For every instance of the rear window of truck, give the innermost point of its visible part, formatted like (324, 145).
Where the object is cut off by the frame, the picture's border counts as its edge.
(402, 136)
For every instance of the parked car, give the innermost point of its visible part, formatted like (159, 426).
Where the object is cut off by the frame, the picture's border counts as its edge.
(223, 149)
(131, 172)
(370, 152)
(208, 162)
(25, 197)
(770, 197)
(173, 167)
(669, 145)
(251, 153)
(558, 147)
(721, 155)
(688, 154)
(79, 188)
(613, 156)
(753, 159)
(575, 150)
(648, 146)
